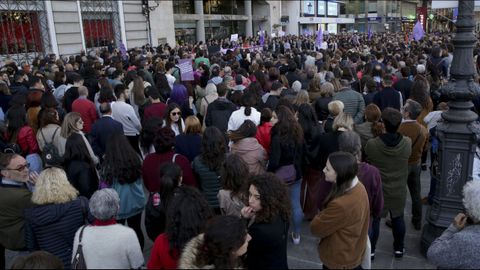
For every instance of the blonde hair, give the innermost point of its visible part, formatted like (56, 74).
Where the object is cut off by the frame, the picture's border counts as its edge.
(335, 107)
(53, 187)
(343, 120)
(301, 98)
(70, 124)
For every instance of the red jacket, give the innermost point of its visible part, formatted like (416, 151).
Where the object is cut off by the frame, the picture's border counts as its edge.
(160, 257)
(27, 141)
(264, 135)
(155, 110)
(151, 172)
(87, 110)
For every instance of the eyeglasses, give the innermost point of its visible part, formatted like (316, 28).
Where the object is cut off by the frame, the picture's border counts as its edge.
(176, 113)
(19, 169)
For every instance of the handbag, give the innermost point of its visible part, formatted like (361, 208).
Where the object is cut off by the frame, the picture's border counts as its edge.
(287, 173)
(78, 261)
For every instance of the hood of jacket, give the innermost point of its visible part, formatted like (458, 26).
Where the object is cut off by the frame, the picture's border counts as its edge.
(42, 215)
(222, 104)
(247, 145)
(190, 253)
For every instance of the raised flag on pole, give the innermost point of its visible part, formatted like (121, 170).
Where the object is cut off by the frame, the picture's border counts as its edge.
(370, 33)
(418, 32)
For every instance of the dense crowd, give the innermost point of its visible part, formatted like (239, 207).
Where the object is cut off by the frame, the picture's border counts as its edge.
(226, 165)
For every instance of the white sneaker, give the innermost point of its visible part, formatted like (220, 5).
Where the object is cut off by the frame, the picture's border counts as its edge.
(295, 238)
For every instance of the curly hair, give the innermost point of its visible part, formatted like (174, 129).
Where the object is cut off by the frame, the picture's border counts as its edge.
(223, 236)
(187, 216)
(52, 186)
(274, 197)
(213, 148)
(121, 162)
(150, 128)
(234, 174)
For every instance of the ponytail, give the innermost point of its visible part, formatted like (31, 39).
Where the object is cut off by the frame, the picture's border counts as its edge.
(248, 110)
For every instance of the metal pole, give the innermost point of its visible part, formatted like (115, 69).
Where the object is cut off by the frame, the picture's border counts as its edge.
(458, 132)
(366, 16)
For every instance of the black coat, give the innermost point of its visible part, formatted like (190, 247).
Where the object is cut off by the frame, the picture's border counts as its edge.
(52, 227)
(188, 145)
(218, 113)
(388, 97)
(321, 107)
(83, 177)
(404, 86)
(268, 247)
(283, 154)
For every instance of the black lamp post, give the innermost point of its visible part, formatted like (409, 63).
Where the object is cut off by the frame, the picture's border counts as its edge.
(457, 133)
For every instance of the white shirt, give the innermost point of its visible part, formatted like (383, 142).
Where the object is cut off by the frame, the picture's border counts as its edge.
(238, 117)
(125, 114)
(171, 80)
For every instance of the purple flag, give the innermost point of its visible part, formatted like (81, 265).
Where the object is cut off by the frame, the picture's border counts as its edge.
(319, 39)
(418, 32)
(123, 51)
(370, 33)
(262, 36)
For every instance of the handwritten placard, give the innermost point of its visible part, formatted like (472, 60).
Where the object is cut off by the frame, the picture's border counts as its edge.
(186, 69)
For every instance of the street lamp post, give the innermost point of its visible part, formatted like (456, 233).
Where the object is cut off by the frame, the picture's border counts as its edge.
(457, 132)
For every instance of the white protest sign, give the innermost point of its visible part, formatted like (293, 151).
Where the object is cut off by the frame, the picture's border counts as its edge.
(234, 37)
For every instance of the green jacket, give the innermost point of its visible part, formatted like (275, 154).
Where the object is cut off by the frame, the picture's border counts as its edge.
(209, 181)
(13, 201)
(393, 165)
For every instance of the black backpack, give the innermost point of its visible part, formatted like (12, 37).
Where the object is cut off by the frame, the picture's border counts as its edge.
(50, 155)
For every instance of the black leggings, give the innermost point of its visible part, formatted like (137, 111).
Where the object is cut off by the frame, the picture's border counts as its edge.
(135, 222)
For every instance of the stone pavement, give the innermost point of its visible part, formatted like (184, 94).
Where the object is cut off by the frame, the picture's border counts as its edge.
(305, 256)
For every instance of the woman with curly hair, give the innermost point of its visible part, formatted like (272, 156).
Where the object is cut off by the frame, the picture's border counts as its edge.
(247, 147)
(234, 178)
(220, 247)
(122, 170)
(285, 160)
(208, 165)
(187, 216)
(269, 213)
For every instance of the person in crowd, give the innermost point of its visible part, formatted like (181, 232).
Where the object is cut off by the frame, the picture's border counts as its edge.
(107, 244)
(372, 127)
(189, 143)
(390, 152)
(173, 119)
(180, 97)
(71, 94)
(285, 160)
(86, 108)
(312, 131)
(210, 96)
(103, 129)
(15, 197)
(247, 147)
(457, 248)
(34, 98)
(264, 130)
(370, 89)
(51, 224)
(389, 96)
(271, 101)
(404, 85)
(234, 179)
(221, 246)
(220, 110)
(352, 100)
(156, 108)
(125, 114)
(164, 143)
(350, 142)
(147, 135)
(38, 260)
(18, 132)
(187, 216)
(321, 103)
(5, 97)
(208, 165)
(49, 131)
(246, 112)
(335, 107)
(121, 170)
(137, 93)
(268, 212)
(419, 138)
(344, 221)
(157, 204)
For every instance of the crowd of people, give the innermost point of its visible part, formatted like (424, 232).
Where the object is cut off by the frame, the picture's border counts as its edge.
(225, 167)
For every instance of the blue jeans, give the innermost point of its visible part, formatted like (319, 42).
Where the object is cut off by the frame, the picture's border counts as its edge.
(398, 230)
(374, 232)
(297, 213)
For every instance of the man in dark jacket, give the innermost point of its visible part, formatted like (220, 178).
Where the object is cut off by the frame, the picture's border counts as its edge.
(404, 85)
(103, 129)
(219, 111)
(388, 97)
(15, 197)
(19, 86)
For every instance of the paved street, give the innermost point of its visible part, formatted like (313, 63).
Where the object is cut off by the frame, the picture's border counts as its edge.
(305, 256)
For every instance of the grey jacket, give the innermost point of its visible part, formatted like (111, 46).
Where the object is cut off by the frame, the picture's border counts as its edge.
(456, 248)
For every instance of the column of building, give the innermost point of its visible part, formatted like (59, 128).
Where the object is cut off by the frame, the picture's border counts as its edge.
(200, 21)
(248, 23)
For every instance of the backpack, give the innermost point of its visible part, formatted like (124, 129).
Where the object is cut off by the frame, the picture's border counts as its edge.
(50, 153)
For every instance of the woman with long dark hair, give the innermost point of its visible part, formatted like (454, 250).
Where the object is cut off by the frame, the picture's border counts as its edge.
(157, 204)
(344, 221)
(234, 179)
(312, 131)
(285, 160)
(247, 147)
(173, 119)
(268, 212)
(225, 240)
(187, 216)
(208, 165)
(147, 135)
(122, 169)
